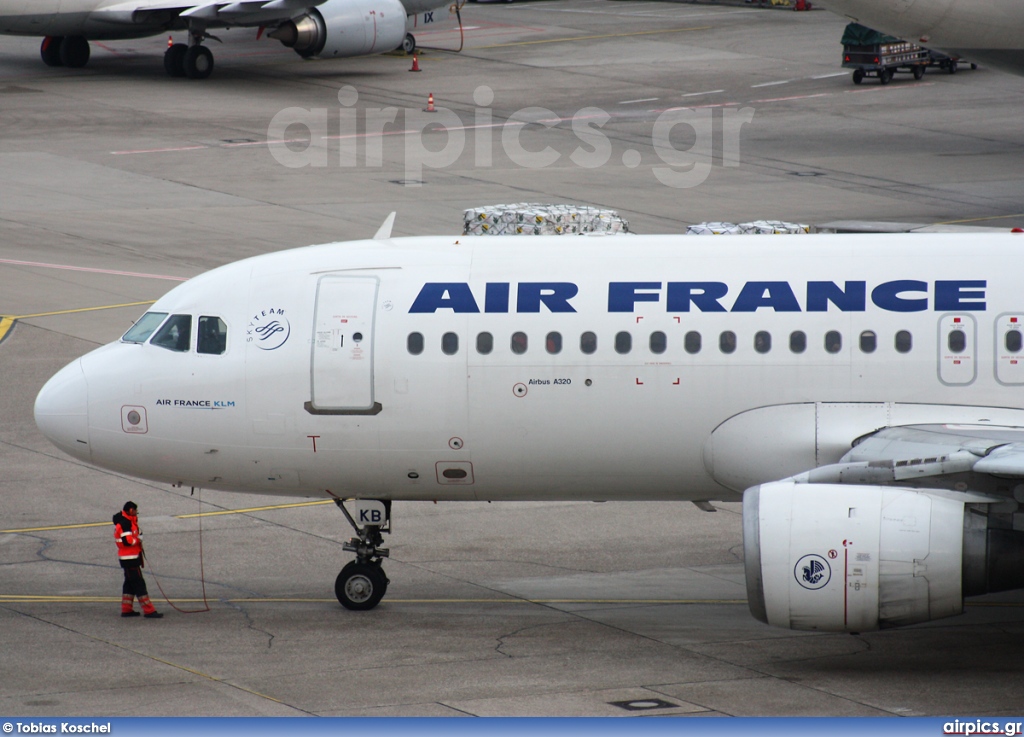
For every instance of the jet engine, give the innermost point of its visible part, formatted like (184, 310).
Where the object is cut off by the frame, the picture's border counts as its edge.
(341, 28)
(851, 558)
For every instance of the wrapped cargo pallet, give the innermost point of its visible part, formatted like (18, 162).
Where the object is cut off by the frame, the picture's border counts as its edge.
(528, 218)
(772, 227)
(756, 227)
(713, 229)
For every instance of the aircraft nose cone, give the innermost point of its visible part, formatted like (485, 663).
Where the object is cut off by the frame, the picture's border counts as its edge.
(62, 411)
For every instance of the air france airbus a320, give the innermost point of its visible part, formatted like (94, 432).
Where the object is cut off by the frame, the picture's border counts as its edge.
(862, 394)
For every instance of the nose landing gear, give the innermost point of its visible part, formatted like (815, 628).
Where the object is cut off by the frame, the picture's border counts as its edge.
(362, 584)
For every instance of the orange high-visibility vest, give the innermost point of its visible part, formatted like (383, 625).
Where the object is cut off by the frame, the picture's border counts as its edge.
(127, 536)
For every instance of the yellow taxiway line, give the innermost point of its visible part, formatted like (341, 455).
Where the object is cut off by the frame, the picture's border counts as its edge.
(193, 515)
(35, 599)
(7, 321)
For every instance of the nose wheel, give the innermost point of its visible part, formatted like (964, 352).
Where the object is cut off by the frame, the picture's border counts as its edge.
(362, 584)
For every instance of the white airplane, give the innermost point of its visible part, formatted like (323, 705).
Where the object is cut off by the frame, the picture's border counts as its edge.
(313, 28)
(990, 31)
(862, 394)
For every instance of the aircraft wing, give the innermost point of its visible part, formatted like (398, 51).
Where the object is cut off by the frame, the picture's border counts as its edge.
(247, 12)
(936, 453)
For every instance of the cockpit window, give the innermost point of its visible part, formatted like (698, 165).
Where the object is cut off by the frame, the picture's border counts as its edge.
(175, 334)
(213, 335)
(141, 330)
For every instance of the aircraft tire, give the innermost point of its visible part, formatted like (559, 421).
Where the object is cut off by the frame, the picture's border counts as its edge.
(49, 49)
(174, 60)
(74, 52)
(360, 586)
(409, 43)
(198, 62)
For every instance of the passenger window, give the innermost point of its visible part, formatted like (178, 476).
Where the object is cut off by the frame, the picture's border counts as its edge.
(868, 341)
(213, 335)
(450, 344)
(484, 343)
(762, 341)
(415, 343)
(519, 343)
(141, 330)
(623, 342)
(658, 342)
(957, 341)
(1013, 341)
(904, 341)
(833, 341)
(727, 342)
(798, 341)
(588, 342)
(175, 334)
(553, 343)
(692, 342)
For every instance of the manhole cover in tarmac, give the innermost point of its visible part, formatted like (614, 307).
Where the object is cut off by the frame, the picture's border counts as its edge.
(643, 704)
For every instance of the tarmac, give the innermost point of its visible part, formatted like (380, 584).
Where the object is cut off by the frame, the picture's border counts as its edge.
(118, 181)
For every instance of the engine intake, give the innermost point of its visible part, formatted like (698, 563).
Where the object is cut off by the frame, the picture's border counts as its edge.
(848, 558)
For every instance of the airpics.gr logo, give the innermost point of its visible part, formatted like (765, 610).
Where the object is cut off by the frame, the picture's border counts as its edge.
(268, 329)
(812, 572)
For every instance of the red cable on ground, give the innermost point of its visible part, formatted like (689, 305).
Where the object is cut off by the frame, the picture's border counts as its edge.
(462, 34)
(202, 571)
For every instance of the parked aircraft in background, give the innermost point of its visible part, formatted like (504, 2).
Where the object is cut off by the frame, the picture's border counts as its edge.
(863, 395)
(989, 31)
(314, 28)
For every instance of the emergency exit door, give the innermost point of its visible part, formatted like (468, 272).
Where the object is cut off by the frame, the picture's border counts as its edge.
(343, 337)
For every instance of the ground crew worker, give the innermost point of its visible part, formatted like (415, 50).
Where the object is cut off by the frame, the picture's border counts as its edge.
(128, 537)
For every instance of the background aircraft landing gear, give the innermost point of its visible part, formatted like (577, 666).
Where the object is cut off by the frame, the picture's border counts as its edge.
(49, 49)
(174, 60)
(74, 52)
(198, 62)
(409, 43)
(193, 60)
(362, 583)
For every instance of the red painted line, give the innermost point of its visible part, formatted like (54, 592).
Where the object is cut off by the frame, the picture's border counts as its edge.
(12, 262)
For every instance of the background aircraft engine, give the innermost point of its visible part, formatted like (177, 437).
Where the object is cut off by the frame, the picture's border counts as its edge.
(845, 558)
(341, 28)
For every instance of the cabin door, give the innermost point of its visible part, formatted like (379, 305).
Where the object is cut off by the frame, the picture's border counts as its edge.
(343, 340)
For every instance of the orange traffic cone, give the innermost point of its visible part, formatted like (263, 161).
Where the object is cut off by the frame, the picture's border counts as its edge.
(170, 41)
(430, 104)
(415, 64)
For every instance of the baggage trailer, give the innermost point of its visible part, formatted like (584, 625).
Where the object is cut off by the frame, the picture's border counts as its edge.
(873, 54)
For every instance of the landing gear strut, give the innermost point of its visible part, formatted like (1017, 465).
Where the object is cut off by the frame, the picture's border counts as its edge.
(362, 583)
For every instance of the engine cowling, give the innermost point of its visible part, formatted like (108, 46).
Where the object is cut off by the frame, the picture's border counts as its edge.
(341, 28)
(846, 558)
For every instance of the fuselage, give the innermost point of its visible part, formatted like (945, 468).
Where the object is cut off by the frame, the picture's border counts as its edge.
(590, 368)
(79, 18)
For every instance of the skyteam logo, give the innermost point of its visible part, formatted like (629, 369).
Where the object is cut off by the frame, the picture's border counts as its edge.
(268, 329)
(812, 572)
